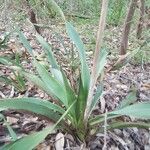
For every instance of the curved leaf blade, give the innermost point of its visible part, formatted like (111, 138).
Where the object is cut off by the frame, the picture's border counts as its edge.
(31, 141)
(97, 96)
(54, 86)
(25, 42)
(5, 60)
(101, 61)
(11, 131)
(85, 73)
(70, 94)
(52, 4)
(38, 106)
(81, 103)
(131, 98)
(37, 81)
(139, 110)
(121, 125)
(101, 118)
(55, 69)
(48, 51)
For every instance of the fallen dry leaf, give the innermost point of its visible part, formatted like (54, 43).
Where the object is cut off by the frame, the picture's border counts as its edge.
(60, 141)
(12, 120)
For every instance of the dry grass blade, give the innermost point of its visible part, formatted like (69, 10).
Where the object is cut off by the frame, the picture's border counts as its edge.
(105, 132)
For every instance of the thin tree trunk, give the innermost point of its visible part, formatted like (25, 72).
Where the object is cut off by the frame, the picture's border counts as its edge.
(127, 26)
(147, 10)
(141, 20)
(34, 21)
(32, 16)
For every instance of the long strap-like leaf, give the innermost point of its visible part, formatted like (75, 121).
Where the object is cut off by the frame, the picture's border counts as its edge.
(139, 110)
(54, 86)
(31, 141)
(48, 51)
(41, 107)
(25, 42)
(52, 4)
(55, 69)
(85, 73)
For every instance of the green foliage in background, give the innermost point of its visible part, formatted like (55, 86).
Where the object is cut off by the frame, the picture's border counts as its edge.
(75, 8)
(117, 11)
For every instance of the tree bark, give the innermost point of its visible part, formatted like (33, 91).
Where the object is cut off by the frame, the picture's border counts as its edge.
(127, 26)
(33, 20)
(32, 16)
(147, 11)
(141, 20)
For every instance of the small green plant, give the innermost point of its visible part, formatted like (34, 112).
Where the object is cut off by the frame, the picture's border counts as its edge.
(3, 42)
(72, 112)
(17, 80)
(10, 130)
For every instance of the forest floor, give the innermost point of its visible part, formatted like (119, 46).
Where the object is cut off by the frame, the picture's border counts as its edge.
(117, 84)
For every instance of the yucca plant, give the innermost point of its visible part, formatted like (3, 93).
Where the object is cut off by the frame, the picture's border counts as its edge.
(71, 110)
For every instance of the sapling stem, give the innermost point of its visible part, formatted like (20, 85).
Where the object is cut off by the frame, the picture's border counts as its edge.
(99, 39)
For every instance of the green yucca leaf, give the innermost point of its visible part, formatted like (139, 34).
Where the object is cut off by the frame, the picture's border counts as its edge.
(139, 110)
(101, 118)
(54, 86)
(85, 73)
(5, 60)
(6, 80)
(130, 99)
(81, 102)
(25, 42)
(20, 86)
(31, 141)
(71, 97)
(11, 131)
(101, 61)
(97, 96)
(51, 85)
(58, 75)
(121, 125)
(8, 62)
(48, 51)
(20, 82)
(52, 4)
(55, 70)
(37, 81)
(3, 43)
(9, 81)
(41, 107)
